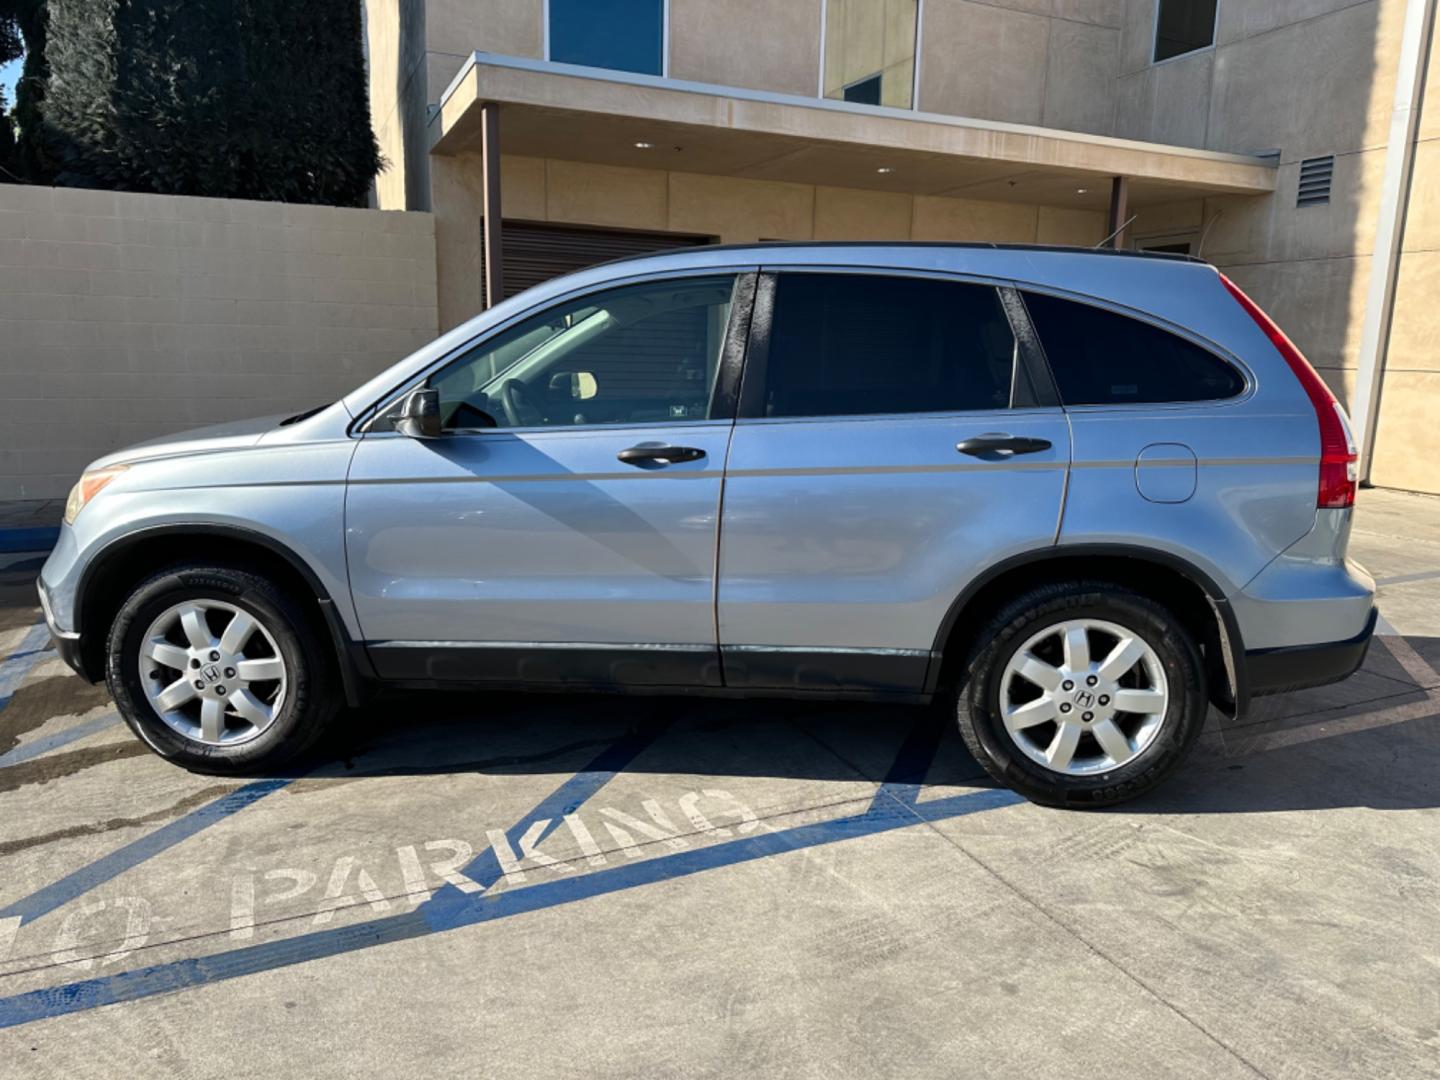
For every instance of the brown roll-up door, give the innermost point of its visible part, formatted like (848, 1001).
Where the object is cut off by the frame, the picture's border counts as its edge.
(536, 253)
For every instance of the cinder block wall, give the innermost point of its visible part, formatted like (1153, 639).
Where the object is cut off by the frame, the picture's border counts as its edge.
(124, 317)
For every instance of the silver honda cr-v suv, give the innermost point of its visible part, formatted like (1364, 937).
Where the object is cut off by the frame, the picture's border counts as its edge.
(1086, 494)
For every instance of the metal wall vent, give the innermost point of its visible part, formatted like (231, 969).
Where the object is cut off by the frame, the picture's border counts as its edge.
(1315, 176)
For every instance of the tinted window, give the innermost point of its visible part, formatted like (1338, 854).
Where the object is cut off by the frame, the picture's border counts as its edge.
(851, 344)
(1182, 26)
(626, 35)
(1101, 358)
(644, 353)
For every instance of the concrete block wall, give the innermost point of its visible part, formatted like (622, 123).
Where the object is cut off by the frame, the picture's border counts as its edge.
(124, 317)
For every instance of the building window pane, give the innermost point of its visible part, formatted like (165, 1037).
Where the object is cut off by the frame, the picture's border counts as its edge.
(870, 51)
(627, 35)
(1183, 26)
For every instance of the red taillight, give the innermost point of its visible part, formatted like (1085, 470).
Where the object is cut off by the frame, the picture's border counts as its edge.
(1338, 457)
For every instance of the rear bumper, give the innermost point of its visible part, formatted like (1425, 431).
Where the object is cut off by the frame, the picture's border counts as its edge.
(1273, 671)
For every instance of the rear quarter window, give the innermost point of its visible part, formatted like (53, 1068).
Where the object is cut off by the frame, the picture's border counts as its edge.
(1100, 357)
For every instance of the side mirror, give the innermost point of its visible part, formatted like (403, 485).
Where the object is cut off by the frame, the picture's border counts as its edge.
(420, 415)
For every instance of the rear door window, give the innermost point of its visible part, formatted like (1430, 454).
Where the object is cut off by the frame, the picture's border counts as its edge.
(867, 344)
(1100, 357)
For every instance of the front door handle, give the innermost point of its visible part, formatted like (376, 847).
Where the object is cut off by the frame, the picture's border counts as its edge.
(659, 455)
(1000, 443)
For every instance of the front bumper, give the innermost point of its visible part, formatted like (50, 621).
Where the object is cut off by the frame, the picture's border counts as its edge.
(1274, 671)
(67, 643)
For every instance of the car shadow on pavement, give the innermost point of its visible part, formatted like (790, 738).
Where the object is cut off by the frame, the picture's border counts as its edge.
(1372, 743)
(436, 732)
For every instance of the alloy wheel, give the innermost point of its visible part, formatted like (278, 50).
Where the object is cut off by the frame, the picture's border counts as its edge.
(1084, 696)
(212, 672)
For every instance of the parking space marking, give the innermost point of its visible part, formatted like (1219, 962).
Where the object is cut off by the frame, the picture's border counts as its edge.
(27, 654)
(39, 747)
(485, 870)
(1415, 665)
(444, 860)
(452, 909)
(465, 898)
(907, 772)
(137, 851)
(454, 905)
(1425, 708)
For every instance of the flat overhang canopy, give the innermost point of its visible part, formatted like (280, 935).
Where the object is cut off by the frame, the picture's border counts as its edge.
(589, 114)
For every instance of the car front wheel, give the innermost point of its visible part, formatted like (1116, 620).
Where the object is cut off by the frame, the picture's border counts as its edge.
(216, 669)
(1083, 695)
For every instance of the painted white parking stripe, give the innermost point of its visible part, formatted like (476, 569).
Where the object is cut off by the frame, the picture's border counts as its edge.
(1428, 707)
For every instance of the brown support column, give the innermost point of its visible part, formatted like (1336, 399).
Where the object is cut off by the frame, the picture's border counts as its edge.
(1119, 212)
(490, 197)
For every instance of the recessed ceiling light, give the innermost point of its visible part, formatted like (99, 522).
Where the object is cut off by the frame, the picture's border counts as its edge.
(644, 146)
(883, 169)
(1081, 190)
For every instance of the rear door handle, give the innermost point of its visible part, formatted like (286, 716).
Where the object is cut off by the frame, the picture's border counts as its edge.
(659, 455)
(1000, 443)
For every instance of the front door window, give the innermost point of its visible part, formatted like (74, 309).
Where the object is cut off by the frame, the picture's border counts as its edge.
(640, 354)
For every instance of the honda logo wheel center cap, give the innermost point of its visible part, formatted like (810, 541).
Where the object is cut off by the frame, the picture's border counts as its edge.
(214, 673)
(1087, 701)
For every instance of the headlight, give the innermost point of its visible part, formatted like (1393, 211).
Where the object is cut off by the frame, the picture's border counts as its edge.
(91, 484)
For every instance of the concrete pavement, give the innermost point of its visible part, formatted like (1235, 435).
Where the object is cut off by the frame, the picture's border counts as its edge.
(565, 886)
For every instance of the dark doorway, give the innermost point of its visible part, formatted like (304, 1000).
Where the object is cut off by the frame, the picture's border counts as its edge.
(532, 253)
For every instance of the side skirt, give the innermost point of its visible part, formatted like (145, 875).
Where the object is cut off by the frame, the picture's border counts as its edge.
(748, 671)
(583, 665)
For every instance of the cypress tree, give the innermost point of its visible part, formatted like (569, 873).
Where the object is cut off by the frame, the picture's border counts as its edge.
(253, 99)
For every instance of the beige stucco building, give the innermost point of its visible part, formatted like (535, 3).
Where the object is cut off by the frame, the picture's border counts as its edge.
(1287, 141)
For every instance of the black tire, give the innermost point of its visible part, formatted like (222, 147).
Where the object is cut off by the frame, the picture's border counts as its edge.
(311, 698)
(979, 706)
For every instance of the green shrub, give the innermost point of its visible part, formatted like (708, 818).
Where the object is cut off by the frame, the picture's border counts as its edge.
(254, 99)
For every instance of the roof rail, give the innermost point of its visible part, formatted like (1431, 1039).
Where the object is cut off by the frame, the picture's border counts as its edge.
(765, 245)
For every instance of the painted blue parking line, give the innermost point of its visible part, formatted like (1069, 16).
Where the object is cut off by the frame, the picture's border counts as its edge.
(17, 665)
(39, 539)
(485, 869)
(133, 854)
(38, 747)
(912, 762)
(451, 909)
(21, 655)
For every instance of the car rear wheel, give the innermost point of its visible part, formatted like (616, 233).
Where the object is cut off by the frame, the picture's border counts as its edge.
(216, 669)
(1082, 695)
